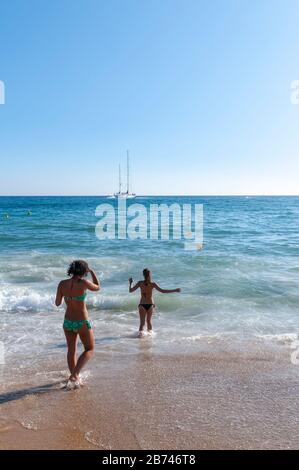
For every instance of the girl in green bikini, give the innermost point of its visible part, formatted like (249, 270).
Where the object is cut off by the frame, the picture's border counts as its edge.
(76, 322)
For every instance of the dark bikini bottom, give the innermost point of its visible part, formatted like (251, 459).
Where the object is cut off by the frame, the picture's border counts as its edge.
(146, 306)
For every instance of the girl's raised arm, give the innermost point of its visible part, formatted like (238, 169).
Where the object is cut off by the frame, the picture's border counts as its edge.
(132, 289)
(165, 291)
(93, 285)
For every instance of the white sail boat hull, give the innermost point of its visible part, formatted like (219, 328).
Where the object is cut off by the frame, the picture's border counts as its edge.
(124, 194)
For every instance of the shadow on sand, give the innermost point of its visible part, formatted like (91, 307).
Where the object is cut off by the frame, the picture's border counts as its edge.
(18, 394)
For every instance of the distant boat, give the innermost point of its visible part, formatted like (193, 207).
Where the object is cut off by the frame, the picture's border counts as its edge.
(124, 194)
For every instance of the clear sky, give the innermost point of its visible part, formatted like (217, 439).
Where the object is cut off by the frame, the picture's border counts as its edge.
(198, 90)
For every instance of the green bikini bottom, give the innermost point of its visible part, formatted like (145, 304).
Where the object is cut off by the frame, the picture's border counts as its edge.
(70, 325)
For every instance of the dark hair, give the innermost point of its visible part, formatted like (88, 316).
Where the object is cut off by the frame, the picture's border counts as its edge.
(78, 268)
(147, 276)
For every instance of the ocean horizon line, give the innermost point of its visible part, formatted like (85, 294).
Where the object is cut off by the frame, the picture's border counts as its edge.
(145, 195)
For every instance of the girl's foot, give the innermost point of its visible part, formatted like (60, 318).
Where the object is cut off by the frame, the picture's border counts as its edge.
(141, 334)
(73, 382)
(72, 385)
(80, 380)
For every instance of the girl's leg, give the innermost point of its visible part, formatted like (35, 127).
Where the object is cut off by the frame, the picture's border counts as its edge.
(142, 315)
(149, 319)
(71, 339)
(87, 338)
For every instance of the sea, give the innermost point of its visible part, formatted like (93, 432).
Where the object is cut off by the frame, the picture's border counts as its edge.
(241, 286)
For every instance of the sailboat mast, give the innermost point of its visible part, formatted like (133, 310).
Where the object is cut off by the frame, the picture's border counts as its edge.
(119, 178)
(128, 173)
(122, 194)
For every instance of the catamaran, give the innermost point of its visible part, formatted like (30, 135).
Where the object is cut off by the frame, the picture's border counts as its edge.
(124, 194)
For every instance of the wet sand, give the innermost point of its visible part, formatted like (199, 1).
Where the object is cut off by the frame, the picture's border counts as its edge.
(207, 400)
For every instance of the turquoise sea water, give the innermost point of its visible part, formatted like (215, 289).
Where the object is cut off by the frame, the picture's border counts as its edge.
(244, 283)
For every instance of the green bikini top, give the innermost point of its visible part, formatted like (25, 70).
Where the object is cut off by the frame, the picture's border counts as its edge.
(76, 297)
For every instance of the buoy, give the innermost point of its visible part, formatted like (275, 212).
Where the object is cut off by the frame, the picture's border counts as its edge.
(6, 216)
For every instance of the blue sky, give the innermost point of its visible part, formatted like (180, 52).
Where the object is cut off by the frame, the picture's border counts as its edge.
(199, 91)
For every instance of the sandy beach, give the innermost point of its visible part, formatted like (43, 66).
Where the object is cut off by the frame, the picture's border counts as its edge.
(212, 400)
(217, 374)
(149, 204)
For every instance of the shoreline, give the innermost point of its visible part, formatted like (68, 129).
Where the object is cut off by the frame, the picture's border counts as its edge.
(205, 400)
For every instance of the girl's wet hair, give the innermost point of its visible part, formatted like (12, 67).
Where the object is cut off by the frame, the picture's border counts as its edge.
(78, 267)
(147, 276)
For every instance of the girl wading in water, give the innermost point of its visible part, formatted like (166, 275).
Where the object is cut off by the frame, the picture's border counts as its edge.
(76, 322)
(146, 305)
